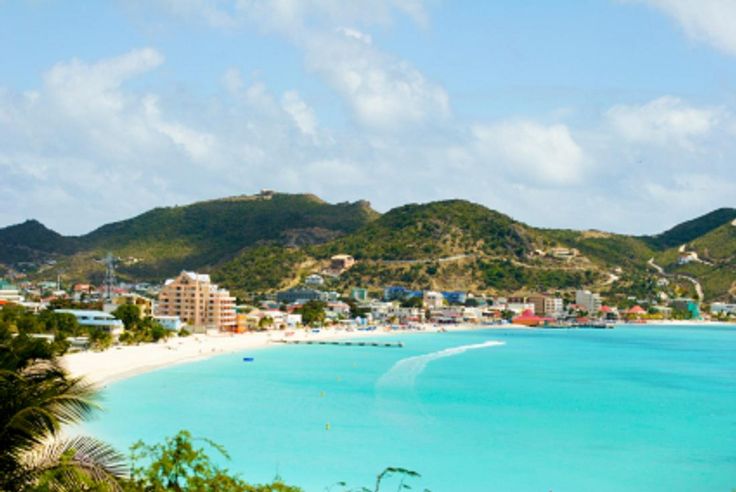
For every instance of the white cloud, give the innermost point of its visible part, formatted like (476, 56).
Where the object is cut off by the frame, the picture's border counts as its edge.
(711, 21)
(691, 190)
(664, 121)
(87, 141)
(533, 152)
(355, 34)
(384, 93)
(300, 112)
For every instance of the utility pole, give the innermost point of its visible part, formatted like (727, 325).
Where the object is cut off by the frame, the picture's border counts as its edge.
(109, 275)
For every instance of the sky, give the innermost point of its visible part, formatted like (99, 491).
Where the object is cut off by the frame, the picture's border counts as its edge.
(617, 115)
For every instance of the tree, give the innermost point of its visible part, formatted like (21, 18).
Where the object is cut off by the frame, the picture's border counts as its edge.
(129, 314)
(313, 313)
(265, 322)
(412, 302)
(37, 398)
(179, 465)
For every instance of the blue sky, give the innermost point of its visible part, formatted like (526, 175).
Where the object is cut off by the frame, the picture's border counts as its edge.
(610, 114)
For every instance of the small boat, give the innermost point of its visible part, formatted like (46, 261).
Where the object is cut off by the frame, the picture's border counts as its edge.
(248, 359)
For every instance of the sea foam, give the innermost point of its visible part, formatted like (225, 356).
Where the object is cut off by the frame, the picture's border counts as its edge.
(405, 371)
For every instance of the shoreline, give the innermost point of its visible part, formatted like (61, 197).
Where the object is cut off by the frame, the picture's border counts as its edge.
(126, 361)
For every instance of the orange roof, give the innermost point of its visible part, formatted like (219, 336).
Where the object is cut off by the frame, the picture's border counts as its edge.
(527, 318)
(636, 310)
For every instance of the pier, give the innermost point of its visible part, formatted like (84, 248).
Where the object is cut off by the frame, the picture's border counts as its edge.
(342, 344)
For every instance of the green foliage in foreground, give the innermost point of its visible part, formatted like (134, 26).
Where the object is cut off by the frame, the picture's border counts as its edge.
(37, 398)
(178, 464)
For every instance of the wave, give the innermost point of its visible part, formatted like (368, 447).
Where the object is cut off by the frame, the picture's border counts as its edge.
(405, 371)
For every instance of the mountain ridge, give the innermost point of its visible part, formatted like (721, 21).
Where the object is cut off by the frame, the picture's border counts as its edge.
(273, 240)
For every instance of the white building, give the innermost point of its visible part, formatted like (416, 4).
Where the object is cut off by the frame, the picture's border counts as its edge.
(520, 307)
(433, 300)
(10, 293)
(171, 323)
(588, 300)
(722, 307)
(314, 280)
(96, 319)
(553, 306)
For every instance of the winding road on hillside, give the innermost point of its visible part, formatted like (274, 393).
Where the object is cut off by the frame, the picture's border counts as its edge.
(692, 280)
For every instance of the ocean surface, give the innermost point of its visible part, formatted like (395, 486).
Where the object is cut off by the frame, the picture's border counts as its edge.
(631, 409)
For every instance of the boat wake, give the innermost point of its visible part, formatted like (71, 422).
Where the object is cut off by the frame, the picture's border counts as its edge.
(405, 371)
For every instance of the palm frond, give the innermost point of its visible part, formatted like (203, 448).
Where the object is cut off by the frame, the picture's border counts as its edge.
(76, 464)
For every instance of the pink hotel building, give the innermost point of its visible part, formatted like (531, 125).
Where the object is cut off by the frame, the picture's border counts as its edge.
(198, 302)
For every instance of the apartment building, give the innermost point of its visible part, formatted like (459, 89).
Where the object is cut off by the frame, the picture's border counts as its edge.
(590, 301)
(546, 305)
(197, 302)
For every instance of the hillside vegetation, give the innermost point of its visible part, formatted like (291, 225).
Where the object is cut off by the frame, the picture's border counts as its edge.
(265, 243)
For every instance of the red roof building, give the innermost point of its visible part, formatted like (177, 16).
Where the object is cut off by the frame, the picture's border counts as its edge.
(528, 318)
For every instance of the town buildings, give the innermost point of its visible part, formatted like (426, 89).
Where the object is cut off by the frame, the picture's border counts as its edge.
(197, 302)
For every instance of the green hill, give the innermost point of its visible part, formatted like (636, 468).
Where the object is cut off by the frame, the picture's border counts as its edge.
(434, 230)
(31, 241)
(692, 229)
(715, 267)
(163, 241)
(272, 241)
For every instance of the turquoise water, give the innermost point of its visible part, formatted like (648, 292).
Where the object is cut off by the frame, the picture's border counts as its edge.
(631, 409)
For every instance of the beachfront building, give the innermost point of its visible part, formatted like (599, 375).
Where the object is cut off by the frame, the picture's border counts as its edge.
(433, 300)
(590, 302)
(197, 302)
(96, 319)
(686, 304)
(337, 309)
(547, 305)
(519, 304)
